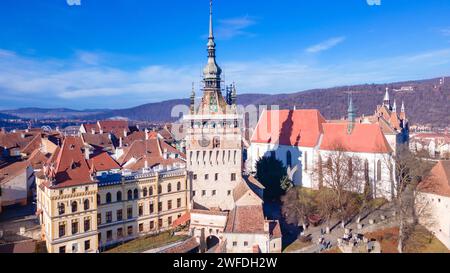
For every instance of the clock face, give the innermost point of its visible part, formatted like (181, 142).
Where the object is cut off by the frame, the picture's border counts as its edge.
(204, 142)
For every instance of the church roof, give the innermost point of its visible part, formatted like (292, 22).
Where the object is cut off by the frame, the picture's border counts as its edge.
(365, 138)
(289, 127)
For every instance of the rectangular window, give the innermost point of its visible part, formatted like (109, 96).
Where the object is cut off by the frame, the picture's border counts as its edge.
(203, 193)
(119, 232)
(87, 224)
(160, 223)
(74, 226)
(119, 215)
(193, 193)
(245, 243)
(109, 217)
(169, 205)
(87, 245)
(130, 230)
(109, 236)
(233, 177)
(229, 193)
(141, 227)
(130, 213)
(169, 220)
(99, 238)
(179, 203)
(216, 177)
(152, 208)
(159, 206)
(214, 193)
(206, 176)
(234, 243)
(62, 249)
(195, 177)
(99, 218)
(152, 225)
(141, 210)
(62, 229)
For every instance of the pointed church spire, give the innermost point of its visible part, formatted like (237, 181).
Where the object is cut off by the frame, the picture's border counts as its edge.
(351, 115)
(403, 107)
(394, 107)
(212, 71)
(387, 100)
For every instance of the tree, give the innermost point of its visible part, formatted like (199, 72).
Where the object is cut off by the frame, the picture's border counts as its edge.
(341, 173)
(270, 172)
(297, 205)
(409, 170)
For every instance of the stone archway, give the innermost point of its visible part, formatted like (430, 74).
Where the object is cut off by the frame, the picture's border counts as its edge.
(212, 242)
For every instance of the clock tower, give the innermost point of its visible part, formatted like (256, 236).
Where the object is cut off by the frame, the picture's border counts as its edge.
(213, 139)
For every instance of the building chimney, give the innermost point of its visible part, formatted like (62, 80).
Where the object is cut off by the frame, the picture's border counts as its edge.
(120, 143)
(124, 133)
(93, 131)
(146, 134)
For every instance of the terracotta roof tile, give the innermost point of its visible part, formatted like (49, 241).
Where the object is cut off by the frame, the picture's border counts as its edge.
(438, 181)
(103, 162)
(246, 219)
(289, 127)
(365, 138)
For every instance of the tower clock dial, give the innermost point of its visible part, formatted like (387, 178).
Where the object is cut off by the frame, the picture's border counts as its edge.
(204, 141)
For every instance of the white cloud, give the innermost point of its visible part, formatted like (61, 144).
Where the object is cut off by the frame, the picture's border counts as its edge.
(230, 28)
(325, 45)
(75, 83)
(445, 31)
(73, 2)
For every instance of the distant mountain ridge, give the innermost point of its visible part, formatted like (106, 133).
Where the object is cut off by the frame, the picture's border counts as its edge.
(427, 103)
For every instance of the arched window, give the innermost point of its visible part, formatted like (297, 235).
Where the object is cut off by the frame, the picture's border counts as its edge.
(289, 159)
(159, 189)
(119, 196)
(74, 206)
(306, 160)
(145, 192)
(169, 187)
(135, 194)
(86, 204)
(179, 186)
(108, 198)
(130, 195)
(61, 209)
(366, 171)
(379, 170)
(151, 191)
(350, 167)
(99, 199)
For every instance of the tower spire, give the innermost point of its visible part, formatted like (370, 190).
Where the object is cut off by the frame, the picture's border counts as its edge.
(394, 107)
(212, 71)
(351, 115)
(211, 33)
(387, 100)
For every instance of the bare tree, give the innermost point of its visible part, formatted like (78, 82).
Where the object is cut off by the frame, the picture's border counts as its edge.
(409, 170)
(298, 204)
(341, 173)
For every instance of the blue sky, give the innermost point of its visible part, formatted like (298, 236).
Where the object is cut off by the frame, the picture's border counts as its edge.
(122, 53)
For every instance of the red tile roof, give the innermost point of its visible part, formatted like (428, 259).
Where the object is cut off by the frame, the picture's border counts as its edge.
(182, 220)
(365, 138)
(103, 162)
(99, 141)
(185, 247)
(289, 127)
(10, 171)
(117, 127)
(71, 166)
(246, 219)
(150, 150)
(438, 181)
